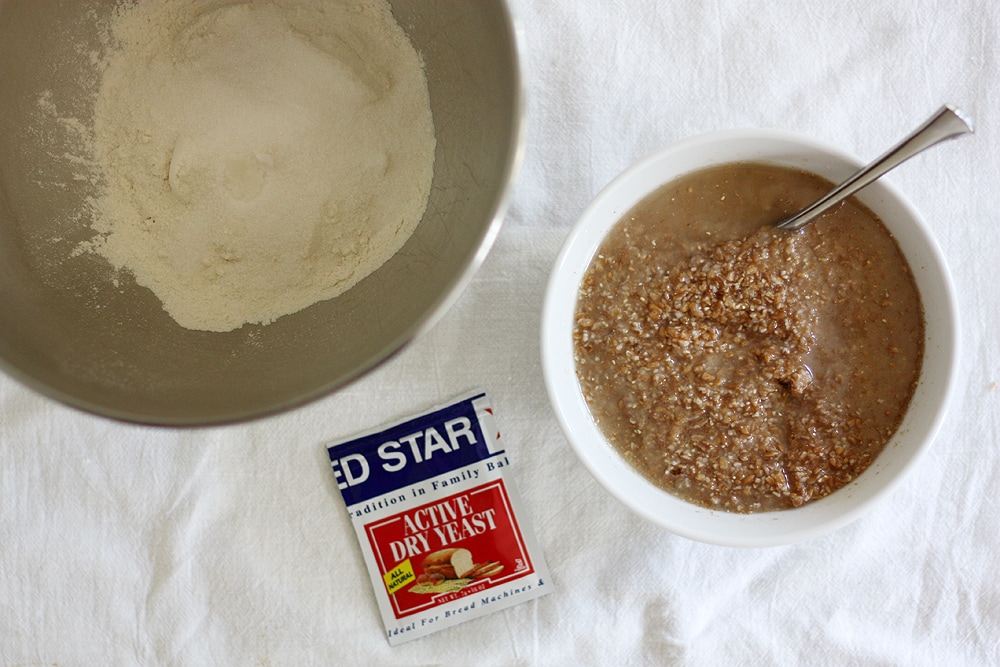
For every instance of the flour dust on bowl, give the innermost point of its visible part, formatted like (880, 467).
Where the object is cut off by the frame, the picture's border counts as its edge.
(211, 298)
(723, 432)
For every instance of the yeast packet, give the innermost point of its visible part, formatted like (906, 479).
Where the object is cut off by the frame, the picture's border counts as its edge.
(439, 521)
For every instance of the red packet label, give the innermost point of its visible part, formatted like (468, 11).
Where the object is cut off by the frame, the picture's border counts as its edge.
(438, 520)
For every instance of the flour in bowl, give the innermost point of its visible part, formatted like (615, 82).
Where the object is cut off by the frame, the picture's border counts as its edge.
(258, 157)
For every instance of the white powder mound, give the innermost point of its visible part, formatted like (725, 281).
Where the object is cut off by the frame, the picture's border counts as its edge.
(258, 157)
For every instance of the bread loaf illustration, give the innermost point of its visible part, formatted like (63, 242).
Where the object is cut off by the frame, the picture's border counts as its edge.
(452, 563)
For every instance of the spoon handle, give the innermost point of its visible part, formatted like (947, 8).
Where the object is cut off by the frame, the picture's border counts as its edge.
(948, 122)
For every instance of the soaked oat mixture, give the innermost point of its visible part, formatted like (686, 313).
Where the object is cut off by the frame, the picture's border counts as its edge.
(742, 367)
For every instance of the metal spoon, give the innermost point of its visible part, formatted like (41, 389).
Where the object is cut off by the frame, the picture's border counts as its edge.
(947, 123)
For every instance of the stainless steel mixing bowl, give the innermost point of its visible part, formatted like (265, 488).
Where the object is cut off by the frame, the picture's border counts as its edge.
(70, 330)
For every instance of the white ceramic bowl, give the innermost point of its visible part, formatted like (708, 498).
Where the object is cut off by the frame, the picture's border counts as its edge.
(927, 407)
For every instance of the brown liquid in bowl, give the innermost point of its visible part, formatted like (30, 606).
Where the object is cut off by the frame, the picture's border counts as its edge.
(739, 366)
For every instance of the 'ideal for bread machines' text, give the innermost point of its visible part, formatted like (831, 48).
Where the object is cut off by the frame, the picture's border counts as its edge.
(437, 519)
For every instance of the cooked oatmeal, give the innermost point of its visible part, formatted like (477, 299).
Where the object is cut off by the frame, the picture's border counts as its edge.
(739, 366)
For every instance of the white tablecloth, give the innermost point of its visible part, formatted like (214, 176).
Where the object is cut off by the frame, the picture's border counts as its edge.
(125, 545)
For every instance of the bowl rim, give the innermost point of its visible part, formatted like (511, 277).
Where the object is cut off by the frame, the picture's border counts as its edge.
(714, 526)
